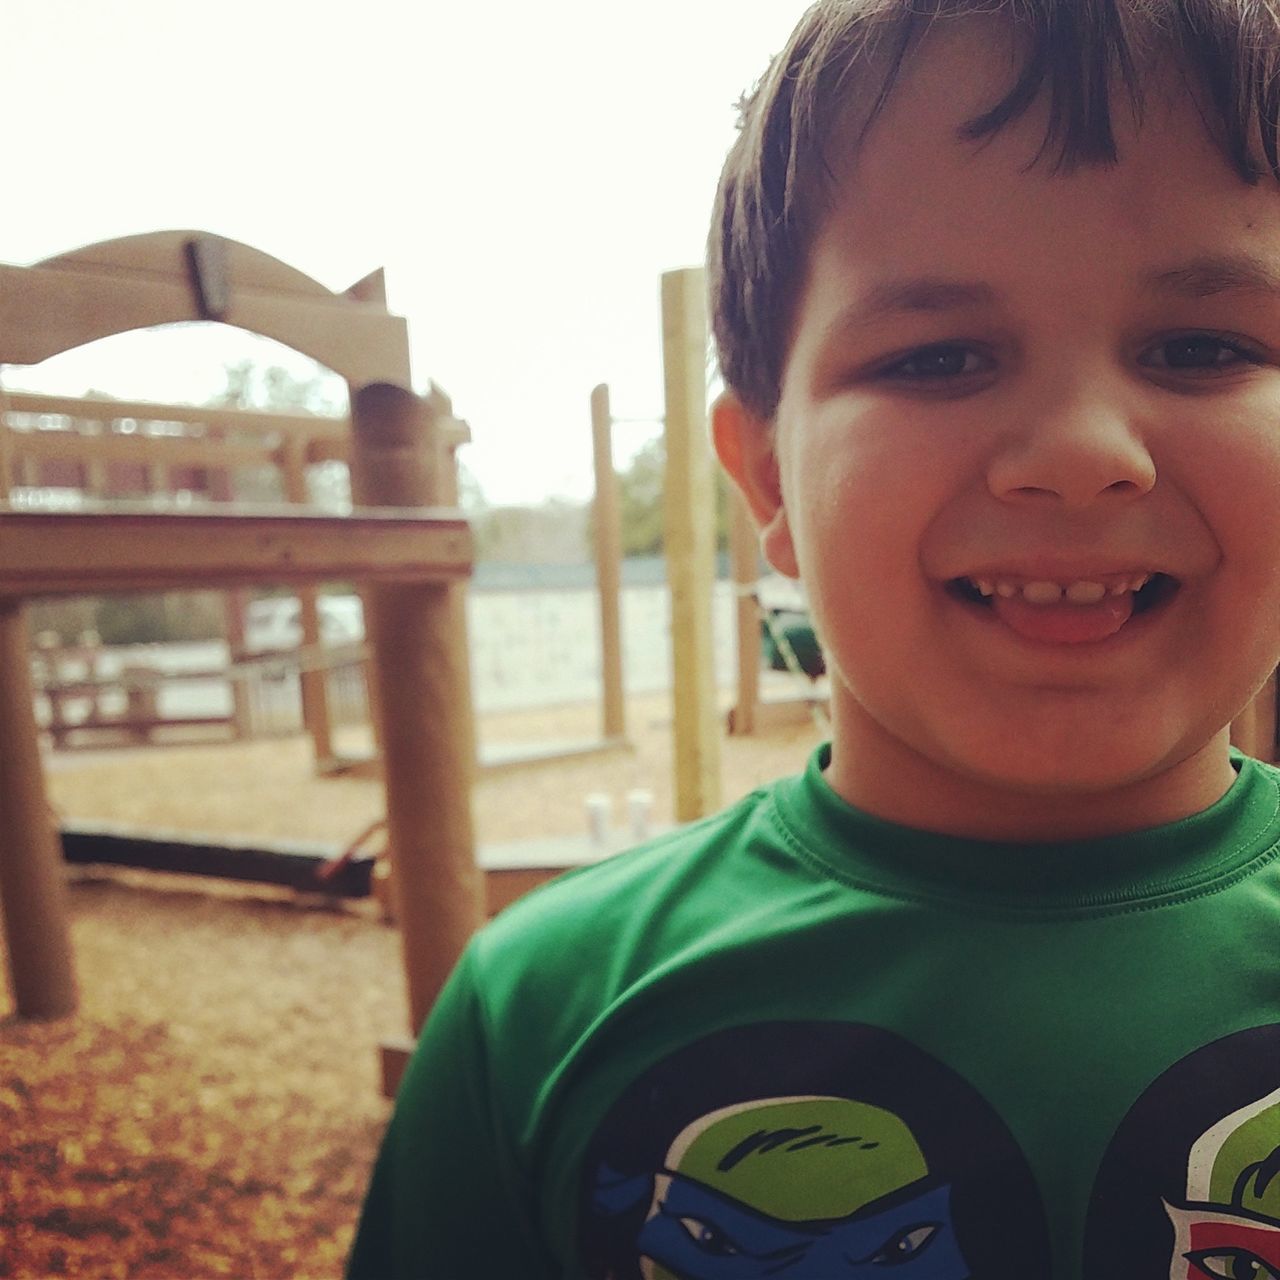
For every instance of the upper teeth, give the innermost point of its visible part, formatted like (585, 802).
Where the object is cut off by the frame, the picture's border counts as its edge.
(1082, 591)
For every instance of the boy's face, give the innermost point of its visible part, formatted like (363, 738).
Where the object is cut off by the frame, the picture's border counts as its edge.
(1001, 377)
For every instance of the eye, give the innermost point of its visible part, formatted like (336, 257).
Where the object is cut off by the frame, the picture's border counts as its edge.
(708, 1238)
(1232, 1264)
(906, 1245)
(1199, 353)
(939, 362)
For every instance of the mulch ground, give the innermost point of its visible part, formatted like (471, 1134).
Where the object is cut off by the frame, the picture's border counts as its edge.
(214, 1108)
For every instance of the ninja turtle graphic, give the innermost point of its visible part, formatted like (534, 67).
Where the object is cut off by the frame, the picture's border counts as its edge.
(832, 1183)
(1189, 1187)
(1229, 1224)
(809, 1188)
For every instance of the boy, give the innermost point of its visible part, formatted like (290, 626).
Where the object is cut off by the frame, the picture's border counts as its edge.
(993, 989)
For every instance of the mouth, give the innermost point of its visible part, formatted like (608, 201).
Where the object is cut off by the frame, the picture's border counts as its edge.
(1070, 611)
(1147, 590)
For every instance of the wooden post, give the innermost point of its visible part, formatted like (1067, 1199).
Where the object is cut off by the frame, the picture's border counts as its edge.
(32, 890)
(418, 635)
(606, 511)
(744, 558)
(235, 608)
(93, 468)
(314, 681)
(689, 535)
(8, 478)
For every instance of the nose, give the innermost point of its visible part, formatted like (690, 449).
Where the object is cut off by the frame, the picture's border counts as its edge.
(1077, 450)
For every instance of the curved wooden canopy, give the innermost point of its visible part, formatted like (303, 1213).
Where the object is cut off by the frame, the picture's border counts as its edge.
(167, 277)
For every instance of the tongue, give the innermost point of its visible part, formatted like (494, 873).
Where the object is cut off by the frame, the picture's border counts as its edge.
(1064, 623)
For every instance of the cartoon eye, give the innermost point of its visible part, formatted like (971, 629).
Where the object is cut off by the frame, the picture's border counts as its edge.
(708, 1238)
(1232, 1264)
(908, 1244)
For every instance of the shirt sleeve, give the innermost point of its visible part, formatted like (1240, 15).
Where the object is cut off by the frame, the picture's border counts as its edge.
(447, 1200)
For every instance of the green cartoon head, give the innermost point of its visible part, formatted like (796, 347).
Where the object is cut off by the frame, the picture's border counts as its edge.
(800, 1158)
(1236, 1162)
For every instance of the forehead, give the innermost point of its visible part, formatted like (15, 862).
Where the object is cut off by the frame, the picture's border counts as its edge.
(912, 187)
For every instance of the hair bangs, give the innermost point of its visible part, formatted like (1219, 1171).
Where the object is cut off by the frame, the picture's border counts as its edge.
(1083, 59)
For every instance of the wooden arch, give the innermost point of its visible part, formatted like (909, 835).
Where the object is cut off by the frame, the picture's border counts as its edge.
(167, 277)
(404, 542)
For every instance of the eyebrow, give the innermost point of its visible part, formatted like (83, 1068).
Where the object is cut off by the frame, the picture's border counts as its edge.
(921, 296)
(1200, 277)
(1211, 274)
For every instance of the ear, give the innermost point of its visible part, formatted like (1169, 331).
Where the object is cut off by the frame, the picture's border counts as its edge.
(744, 445)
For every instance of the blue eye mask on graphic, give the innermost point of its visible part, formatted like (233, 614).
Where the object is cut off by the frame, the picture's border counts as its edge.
(813, 1188)
(698, 1235)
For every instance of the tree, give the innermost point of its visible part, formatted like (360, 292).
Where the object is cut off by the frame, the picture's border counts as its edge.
(640, 489)
(640, 500)
(249, 385)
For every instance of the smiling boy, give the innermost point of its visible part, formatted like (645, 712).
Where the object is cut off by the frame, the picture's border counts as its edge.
(996, 292)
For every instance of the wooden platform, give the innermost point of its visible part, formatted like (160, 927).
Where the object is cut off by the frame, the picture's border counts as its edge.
(141, 549)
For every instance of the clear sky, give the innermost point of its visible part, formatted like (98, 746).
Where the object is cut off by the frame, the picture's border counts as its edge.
(523, 171)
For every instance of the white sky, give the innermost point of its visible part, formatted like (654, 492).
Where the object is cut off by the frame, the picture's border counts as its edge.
(523, 171)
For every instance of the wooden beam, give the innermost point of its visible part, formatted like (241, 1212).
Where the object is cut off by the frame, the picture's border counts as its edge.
(164, 255)
(70, 553)
(607, 513)
(45, 311)
(689, 536)
(101, 409)
(138, 450)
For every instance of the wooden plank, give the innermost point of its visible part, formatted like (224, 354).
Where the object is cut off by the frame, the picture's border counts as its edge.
(135, 450)
(164, 254)
(67, 553)
(689, 536)
(104, 410)
(45, 311)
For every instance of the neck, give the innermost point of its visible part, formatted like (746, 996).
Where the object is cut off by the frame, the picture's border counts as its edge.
(884, 776)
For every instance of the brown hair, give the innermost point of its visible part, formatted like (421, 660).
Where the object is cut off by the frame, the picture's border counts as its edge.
(1080, 53)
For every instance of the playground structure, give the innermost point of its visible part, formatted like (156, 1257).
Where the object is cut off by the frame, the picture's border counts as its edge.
(116, 451)
(88, 697)
(403, 542)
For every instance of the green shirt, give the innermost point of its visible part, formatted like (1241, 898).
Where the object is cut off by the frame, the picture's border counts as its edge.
(794, 1040)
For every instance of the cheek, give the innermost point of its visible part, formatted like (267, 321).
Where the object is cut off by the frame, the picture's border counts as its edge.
(1232, 477)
